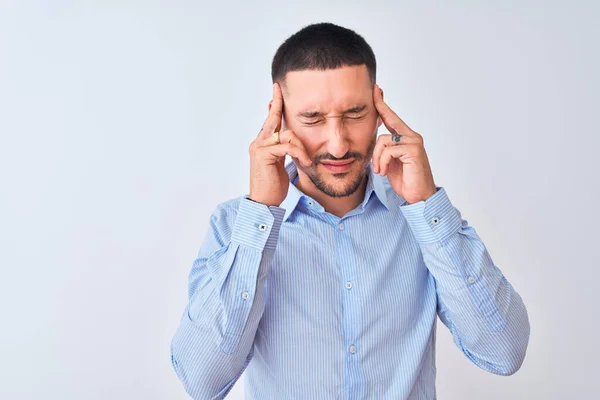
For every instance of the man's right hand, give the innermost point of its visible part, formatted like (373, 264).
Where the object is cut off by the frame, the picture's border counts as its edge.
(269, 180)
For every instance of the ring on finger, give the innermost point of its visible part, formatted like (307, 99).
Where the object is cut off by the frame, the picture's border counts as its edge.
(396, 137)
(275, 136)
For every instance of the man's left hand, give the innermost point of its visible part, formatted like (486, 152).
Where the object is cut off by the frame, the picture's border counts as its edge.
(405, 163)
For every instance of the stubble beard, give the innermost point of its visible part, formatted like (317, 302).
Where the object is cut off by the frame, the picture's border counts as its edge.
(351, 187)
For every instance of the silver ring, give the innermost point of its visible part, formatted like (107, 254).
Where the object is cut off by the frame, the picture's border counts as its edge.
(396, 137)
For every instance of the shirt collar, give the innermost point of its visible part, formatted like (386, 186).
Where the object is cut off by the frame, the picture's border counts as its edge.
(295, 196)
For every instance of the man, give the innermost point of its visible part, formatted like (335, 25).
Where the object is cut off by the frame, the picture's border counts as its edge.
(325, 281)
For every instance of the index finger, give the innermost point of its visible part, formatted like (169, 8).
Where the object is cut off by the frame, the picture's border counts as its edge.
(391, 120)
(273, 121)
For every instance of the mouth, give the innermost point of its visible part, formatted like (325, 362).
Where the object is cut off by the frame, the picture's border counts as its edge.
(338, 166)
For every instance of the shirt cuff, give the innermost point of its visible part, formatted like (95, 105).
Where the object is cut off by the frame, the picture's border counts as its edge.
(257, 225)
(433, 219)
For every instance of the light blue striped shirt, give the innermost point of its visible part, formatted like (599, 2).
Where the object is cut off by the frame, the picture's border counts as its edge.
(313, 306)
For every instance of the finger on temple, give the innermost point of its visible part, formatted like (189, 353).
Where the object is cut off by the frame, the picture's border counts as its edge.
(273, 123)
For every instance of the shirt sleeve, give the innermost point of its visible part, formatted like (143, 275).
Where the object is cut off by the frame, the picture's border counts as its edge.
(486, 316)
(214, 341)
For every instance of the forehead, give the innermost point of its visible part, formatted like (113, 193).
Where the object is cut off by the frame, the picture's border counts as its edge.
(332, 90)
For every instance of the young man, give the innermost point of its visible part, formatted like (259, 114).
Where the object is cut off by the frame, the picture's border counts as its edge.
(325, 281)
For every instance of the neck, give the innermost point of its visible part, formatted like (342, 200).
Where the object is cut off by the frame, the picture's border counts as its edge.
(337, 206)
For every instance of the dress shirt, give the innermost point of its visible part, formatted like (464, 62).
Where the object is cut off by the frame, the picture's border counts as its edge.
(313, 306)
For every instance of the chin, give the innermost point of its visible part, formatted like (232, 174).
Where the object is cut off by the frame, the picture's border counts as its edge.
(339, 184)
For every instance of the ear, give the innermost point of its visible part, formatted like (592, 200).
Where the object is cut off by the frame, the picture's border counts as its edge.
(379, 121)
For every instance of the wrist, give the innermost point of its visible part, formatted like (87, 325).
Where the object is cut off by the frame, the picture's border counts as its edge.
(260, 202)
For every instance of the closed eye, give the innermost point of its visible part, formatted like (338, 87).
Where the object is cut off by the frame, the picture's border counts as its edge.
(316, 122)
(311, 123)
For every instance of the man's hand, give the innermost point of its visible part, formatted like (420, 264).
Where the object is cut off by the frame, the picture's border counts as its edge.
(405, 163)
(269, 180)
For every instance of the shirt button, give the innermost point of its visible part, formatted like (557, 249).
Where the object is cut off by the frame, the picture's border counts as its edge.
(471, 279)
(245, 295)
(341, 226)
(435, 220)
(262, 227)
(348, 285)
(353, 349)
(310, 203)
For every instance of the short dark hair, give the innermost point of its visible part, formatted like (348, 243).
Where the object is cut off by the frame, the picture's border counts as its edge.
(322, 46)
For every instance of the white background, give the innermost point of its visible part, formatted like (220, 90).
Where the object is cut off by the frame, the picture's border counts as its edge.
(124, 123)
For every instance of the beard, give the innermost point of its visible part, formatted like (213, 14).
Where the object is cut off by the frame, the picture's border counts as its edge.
(346, 184)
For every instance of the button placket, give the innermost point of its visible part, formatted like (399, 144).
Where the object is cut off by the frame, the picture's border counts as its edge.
(347, 268)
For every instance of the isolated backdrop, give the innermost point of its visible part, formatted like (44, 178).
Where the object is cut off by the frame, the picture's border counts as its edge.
(124, 123)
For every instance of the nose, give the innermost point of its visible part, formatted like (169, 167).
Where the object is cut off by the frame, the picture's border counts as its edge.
(337, 141)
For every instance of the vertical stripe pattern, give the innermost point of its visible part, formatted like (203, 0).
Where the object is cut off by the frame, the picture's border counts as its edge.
(312, 306)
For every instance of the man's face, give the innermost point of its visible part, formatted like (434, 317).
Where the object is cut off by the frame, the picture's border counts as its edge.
(333, 114)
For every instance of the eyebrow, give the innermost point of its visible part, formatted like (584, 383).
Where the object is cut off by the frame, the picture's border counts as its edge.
(312, 114)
